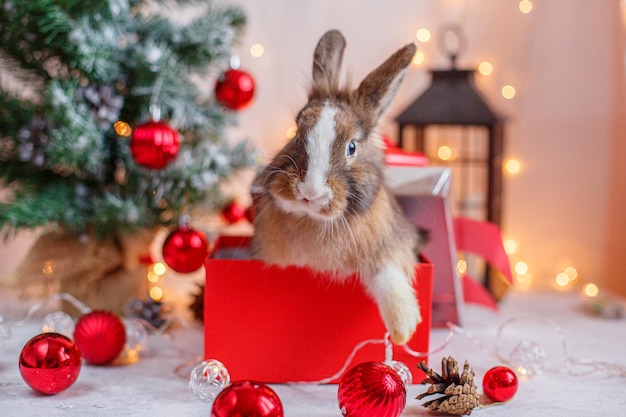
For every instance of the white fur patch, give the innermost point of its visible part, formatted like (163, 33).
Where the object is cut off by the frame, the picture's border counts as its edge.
(397, 304)
(318, 146)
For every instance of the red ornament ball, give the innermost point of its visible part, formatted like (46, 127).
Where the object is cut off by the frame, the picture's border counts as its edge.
(371, 389)
(185, 249)
(500, 384)
(234, 89)
(50, 363)
(154, 144)
(100, 336)
(250, 214)
(247, 399)
(233, 212)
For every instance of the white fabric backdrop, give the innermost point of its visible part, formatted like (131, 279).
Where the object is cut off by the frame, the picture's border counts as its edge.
(151, 387)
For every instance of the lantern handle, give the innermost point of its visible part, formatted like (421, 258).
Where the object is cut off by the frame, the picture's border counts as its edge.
(452, 42)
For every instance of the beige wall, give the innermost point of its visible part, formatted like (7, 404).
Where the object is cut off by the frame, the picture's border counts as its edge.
(615, 246)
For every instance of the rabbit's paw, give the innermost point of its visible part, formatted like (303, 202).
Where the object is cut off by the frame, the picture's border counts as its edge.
(397, 303)
(401, 320)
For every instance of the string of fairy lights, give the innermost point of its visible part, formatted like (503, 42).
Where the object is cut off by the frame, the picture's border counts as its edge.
(512, 166)
(155, 273)
(568, 278)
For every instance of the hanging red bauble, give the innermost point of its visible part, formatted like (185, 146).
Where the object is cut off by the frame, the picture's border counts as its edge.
(247, 399)
(100, 336)
(154, 144)
(500, 384)
(50, 363)
(371, 389)
(234, 89)
(185, 249)
(233, 212)
(250, 214)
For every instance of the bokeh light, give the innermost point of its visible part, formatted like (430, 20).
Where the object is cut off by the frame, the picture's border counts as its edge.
(418, 58)
(444, 153)
(257, 50)
(510, 246)
(521, 268)
(508, 92)
(291, 132)
(591, 290)
(485, 68)
(512, 166)
(423, 35)
(525, 6)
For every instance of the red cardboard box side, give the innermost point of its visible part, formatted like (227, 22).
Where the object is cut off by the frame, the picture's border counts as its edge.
(290, 324)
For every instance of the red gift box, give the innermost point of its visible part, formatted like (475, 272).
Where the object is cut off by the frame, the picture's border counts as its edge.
(290, 324)
(395, 156)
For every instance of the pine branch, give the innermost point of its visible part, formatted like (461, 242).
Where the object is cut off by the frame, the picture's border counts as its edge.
(14, 113)
(55, 38)
(96, 53)
(97, 62)
(33, 31)
(209, 38)
(56, 204)
(114, 213)
(104, 10)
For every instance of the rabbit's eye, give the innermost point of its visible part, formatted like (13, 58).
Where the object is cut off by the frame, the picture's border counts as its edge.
(351, 148)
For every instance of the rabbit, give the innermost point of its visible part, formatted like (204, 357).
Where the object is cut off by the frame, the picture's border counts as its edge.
(322, 202)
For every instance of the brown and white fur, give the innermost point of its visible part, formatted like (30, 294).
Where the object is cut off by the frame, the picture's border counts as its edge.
(322, 201)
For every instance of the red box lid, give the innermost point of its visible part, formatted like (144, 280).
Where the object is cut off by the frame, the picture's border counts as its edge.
(291, 324)
(395, 156)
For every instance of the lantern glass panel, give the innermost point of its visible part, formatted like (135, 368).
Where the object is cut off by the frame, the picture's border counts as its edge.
(463, 149)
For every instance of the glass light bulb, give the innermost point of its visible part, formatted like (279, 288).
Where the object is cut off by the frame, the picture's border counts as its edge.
(208, 379)
(58, 322)
(528, 357)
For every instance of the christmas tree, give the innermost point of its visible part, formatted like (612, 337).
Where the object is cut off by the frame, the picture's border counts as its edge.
(79, 79)
(88, 72)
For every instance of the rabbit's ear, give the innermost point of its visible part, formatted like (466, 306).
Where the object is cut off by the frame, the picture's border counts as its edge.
(327, 61)
(378, 89)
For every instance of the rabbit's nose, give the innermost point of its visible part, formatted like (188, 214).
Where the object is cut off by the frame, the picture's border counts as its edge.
(315, 193)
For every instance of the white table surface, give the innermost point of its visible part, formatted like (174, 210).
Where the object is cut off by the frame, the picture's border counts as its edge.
(152, 388)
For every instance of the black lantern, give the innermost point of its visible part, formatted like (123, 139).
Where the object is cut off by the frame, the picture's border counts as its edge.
(454, 126)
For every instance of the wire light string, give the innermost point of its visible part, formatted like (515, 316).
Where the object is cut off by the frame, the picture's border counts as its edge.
(388, 356)
(80, 306)
(137, 330)
(526, 358)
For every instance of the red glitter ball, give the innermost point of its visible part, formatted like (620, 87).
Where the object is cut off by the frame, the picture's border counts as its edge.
(250, 214)
(185, 249)
(233, 212)
(500, 384)
(234, 89)
(247, 399)
(50, 363)
(154, 144)
(100, 336)
(371, 389)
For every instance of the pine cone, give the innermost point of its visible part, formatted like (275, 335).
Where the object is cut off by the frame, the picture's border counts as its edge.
(153, 312)
(33, 140)
(103, 101)
(459, 391)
